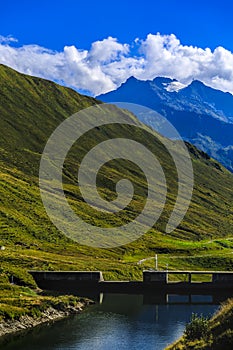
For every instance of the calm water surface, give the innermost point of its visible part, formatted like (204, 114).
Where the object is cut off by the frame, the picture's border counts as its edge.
(121, 322)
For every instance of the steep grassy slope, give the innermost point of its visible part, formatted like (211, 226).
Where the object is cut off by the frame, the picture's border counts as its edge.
(30, 109)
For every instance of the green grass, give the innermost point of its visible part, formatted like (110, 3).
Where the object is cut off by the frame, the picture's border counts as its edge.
(30, 109)
(17, 301)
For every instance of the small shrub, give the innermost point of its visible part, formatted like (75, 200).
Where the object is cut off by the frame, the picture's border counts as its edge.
(198, 328)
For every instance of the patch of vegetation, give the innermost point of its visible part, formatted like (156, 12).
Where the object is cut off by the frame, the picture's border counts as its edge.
(213, 334)
(17, 301)
(198, 328)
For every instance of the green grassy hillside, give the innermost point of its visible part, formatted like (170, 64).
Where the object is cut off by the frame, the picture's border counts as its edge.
(30, 109)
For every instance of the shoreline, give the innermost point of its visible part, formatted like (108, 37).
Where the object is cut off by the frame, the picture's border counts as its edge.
(10, 328)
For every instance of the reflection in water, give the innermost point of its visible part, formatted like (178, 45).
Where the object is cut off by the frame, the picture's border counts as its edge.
(120, 322)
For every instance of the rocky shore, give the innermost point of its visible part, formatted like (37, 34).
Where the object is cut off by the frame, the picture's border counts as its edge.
(10, 327)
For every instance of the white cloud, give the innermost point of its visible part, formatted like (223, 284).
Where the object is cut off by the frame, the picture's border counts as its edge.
(108, 63)
(7, 39)
(107, 50)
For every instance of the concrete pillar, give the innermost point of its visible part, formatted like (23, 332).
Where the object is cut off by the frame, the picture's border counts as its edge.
(190, 277)
(155, 276)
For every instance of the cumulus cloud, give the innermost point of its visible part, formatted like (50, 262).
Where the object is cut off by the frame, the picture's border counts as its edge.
(108, 63)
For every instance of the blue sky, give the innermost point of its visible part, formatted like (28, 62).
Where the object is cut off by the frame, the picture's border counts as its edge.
(55, 24)
(76, 25)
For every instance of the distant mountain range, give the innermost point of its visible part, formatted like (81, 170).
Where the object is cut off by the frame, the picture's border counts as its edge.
(202, 115)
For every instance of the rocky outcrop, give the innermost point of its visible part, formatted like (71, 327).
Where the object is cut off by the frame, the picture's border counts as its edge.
(50, 315)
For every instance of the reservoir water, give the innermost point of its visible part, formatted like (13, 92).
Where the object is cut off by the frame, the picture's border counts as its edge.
(118, 322)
